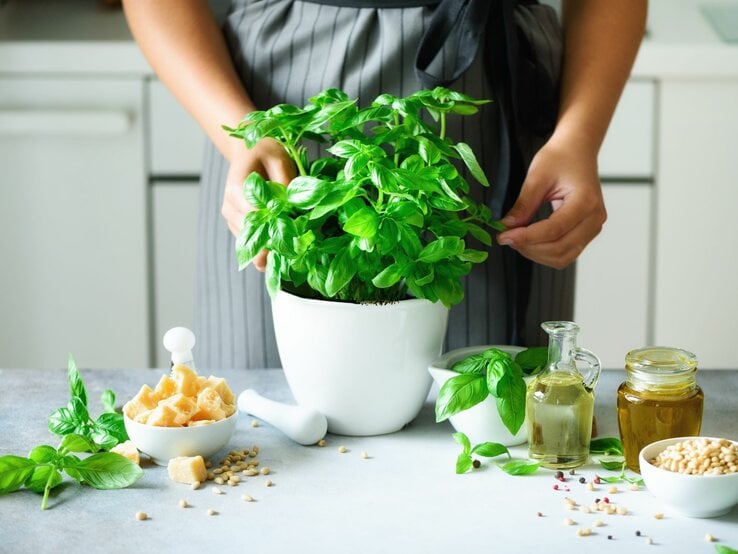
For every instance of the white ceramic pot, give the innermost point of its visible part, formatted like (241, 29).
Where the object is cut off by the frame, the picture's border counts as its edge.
(481, 423)
(364, 366)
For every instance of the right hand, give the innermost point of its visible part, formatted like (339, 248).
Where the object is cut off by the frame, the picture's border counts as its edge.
(269, 158)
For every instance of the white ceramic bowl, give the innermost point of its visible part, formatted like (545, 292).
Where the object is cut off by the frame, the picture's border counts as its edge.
(481, 423)
(689, 495)
(163, 443)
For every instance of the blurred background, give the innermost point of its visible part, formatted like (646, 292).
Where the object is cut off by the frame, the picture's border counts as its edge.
(99, 172)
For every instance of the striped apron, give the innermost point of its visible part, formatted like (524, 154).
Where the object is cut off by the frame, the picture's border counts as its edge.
(286, 51)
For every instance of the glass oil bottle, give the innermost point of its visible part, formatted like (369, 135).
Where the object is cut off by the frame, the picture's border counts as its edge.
(560, 401)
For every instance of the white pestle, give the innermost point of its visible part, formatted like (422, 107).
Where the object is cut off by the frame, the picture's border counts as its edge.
(303, 425)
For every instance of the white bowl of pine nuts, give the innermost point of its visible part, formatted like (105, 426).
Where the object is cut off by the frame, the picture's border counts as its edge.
(695, 476)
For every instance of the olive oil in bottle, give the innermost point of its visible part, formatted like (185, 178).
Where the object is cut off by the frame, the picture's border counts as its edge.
(560, 401)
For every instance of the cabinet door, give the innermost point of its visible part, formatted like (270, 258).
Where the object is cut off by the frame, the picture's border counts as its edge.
(697, 229)
(73, 225)
(175, 237)
(612, 292)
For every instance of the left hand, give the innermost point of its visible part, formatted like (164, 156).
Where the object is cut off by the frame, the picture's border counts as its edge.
(564, 174)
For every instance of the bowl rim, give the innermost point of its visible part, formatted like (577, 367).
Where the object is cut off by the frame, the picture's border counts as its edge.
(673, 440)
(159, 428)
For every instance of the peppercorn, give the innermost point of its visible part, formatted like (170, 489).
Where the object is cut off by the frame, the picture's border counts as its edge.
(476, 464)
(638, 533)
(582, 480)
(559, 475)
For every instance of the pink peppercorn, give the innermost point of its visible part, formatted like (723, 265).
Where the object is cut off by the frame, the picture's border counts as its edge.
(606, 499)
(555, 487)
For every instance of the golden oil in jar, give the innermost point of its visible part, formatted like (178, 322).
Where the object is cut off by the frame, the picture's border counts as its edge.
(659, 399)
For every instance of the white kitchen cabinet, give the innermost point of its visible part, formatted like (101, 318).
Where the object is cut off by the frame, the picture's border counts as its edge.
(72, 221)
(174, 207)
(696, 225)
(613, 277)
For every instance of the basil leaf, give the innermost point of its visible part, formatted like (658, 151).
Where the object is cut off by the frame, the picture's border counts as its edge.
(79, 411)
(76, 386)
(520, 467)
(14, 472)
(613, 463)
(340, 272)
(532, 360)
(606, 445)
(62, 421)
(476, 363)
(43, 454)
(444, 247)
(389, 276)
(362, 223)
(463, 463)
(474, 256)
(463, 440)
(256, 190)
(511, 402)
(108, 470)
(42, 476)
(307, 192)
(77, 443)
(470, 160)
(283, 233)
(252, 240)
(459, 393)
(722, 549)
(69, 463)
(480, 234)
(490, 449)
(107, 399)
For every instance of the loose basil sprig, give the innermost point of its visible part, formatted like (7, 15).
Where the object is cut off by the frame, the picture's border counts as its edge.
(41, 471)
(492, 372)
(382, 211)
(611, 448)
(465, 461)
(107, 430)
(722, 549)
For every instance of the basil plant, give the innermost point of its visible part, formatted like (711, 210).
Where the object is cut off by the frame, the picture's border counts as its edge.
(381, 210)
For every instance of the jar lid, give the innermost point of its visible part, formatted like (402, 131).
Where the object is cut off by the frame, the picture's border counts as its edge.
(660, 364)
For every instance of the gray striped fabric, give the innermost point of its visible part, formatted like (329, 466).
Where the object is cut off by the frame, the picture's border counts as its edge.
(286, 51)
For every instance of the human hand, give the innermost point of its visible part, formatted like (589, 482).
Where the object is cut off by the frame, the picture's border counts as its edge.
(566, 176)
(269, 158)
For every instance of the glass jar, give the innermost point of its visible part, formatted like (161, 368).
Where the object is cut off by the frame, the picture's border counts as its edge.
(659, 399)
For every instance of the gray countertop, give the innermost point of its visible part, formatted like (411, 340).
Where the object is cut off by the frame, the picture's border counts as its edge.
(404, 498)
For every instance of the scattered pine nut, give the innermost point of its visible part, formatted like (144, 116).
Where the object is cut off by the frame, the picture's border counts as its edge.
(265, 470)
(621, 510)
(254, 423)
(250, 472)
(598, 523)
(634, 487)
(268, 483)
(658, 516)
(568, 521)
(321, 443)
(365, 455)
(584, 510)
(584, 532)
(613, 489)
(183, 504)
(342, 449)
(569, 501)
(218, 480)
(196, 485)
(247, 498)
(709, 538)
(590, 487)
(649, 540)
(216, 490)
(212, 512)
(141, 516)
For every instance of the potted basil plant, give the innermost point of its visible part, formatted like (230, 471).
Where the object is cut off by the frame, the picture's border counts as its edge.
(482, 390)
(367, 247)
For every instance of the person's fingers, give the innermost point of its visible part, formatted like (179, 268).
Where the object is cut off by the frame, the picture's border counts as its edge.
(259, 260)
(532, 194)
(279, 169)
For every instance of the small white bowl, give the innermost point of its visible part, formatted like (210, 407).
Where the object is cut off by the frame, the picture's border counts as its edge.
(689, 495)
(163, 443)
(481, 423)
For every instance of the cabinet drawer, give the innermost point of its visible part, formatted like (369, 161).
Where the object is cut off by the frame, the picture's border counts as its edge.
(628, 150)
(176, 141)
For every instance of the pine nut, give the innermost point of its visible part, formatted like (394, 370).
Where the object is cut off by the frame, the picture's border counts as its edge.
(247, 498)
(183, 504)
(342, 449)
(141, 516)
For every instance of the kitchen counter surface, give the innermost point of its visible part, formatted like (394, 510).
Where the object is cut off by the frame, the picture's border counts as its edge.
(83, 36)
(404, 498)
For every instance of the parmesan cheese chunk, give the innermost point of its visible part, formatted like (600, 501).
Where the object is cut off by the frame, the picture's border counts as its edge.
(127, 450)
(187, 470)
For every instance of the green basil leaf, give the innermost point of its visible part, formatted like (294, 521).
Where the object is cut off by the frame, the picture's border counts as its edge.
(460, 393)
(41, 476)
(14, 472)
(532, 360)
(511, 402)
(103, 440)
(283, 233)
(463, 463)
(475, 363)
(77, 443)
(612, 463)
(273, 273)
(112, 424)
(500, 367)
(463, 440)
(362, 223)
(722, 549)
(256, 191)
(611, 479)
(76, 386)
(405, 212)
(442, 248)
(43, 454)
(424, 274)
(345, 148)
(340, 272)
(78, 408)
(107, 399)
(520, 467)
(470, 160)
(69, 464)
(62, 421)
(307, 192)
(480, 234)
(108, 470)
(474, 256)
(252, 240)
(428, 151)
(606, 445)
(490, 449)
